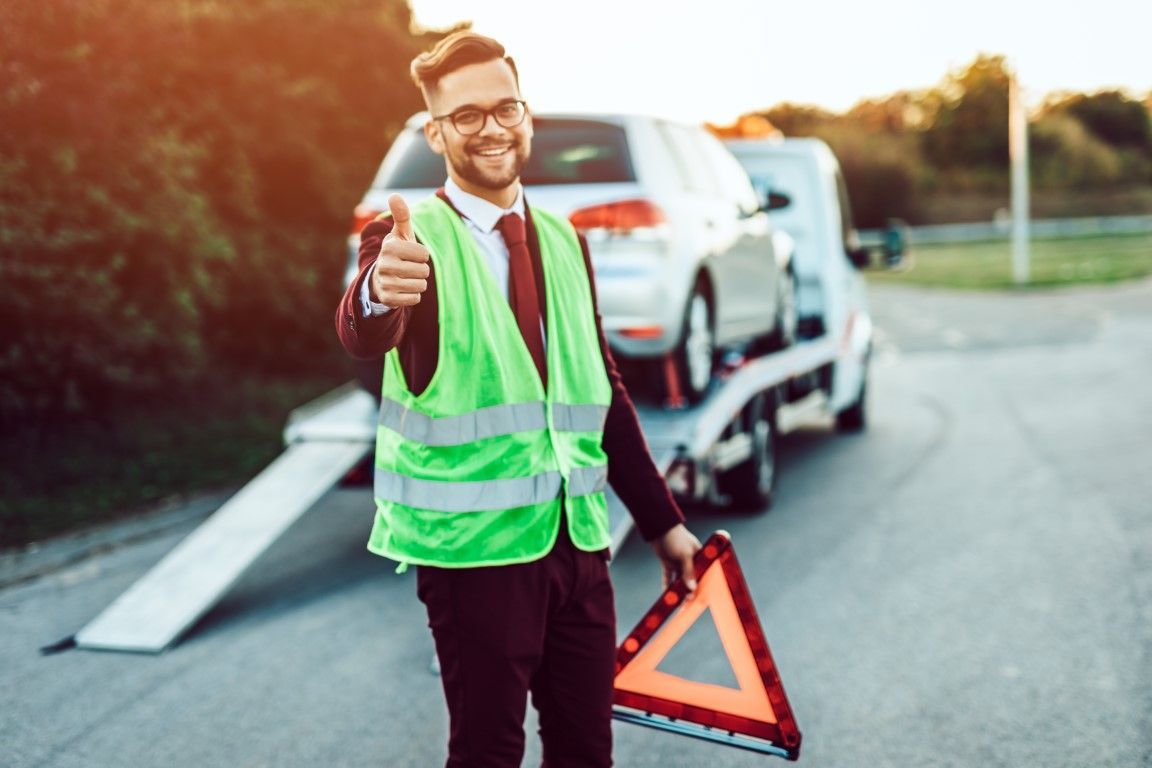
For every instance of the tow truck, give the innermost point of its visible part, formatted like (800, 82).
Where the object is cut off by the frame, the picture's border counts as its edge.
(721, 451)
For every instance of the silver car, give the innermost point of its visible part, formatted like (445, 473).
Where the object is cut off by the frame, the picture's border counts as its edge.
(685, 259)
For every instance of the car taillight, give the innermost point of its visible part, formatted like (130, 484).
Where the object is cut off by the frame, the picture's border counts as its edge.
(620, 217)
(361, 216)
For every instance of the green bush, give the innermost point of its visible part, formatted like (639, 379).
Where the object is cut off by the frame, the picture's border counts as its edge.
(968, 128)
(1064, 154)
(175, 185)
(1114, 117)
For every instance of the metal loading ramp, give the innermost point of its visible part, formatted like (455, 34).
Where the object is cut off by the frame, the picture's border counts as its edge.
(325, 439)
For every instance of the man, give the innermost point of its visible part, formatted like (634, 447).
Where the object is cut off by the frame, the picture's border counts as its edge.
(498, 428)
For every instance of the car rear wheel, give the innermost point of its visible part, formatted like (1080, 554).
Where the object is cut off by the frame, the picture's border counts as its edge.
(696, 354)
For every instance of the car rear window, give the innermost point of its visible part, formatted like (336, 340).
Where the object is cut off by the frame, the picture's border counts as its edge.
(563, 152)
(417, 168)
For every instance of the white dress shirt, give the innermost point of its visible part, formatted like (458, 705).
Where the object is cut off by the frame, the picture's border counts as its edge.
(481, 217)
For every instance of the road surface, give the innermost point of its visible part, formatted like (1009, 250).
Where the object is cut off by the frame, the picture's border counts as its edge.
(968, 583)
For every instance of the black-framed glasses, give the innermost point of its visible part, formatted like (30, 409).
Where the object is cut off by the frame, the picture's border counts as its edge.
(470, 120)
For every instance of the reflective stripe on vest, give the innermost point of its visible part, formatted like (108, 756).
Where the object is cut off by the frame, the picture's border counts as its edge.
(493, 421)
(486, 494)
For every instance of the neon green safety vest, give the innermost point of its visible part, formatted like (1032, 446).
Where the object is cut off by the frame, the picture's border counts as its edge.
(472, 471)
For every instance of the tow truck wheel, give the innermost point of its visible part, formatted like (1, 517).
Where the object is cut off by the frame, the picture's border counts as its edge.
(751, 485)
(854, 418)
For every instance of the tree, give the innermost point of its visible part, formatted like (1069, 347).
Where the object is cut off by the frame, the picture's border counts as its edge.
(797, 119)
(1112, 117)
(968, 127)
(1066, 155)
(1112, 124)
(899, 113)
(175, 185)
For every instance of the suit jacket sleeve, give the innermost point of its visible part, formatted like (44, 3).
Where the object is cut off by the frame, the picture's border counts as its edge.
(367, 338)
(631, 470)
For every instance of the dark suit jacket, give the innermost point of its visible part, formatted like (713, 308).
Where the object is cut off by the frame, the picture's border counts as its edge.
(415, 331)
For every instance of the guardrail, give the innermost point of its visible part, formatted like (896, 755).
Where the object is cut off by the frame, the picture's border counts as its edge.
(1002, 230)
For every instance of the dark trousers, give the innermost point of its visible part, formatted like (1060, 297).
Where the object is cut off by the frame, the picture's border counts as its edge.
(547, 627)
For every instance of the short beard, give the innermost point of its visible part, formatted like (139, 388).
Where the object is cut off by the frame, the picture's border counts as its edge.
(467, 169)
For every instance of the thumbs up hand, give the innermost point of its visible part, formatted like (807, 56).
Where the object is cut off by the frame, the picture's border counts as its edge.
(402, 228)
(400, 274)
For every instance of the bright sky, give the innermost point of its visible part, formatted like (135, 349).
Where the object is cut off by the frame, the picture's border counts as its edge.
(715, 59)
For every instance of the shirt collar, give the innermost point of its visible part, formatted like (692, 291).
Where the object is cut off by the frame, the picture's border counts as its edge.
(479, 211)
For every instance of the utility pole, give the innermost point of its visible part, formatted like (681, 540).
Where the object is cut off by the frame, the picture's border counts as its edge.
(1018, 154)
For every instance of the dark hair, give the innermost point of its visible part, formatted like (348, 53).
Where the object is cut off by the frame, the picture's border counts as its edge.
(457, 50)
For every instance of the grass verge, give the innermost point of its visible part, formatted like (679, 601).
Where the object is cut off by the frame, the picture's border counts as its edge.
(79, 473)
(1066, 261)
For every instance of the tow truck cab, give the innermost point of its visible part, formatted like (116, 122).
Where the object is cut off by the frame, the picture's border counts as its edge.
(831, 297)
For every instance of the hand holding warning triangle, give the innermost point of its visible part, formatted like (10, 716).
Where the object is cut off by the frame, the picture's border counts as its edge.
(756, 714)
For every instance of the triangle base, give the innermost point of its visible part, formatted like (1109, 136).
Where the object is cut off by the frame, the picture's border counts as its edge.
(705, 733)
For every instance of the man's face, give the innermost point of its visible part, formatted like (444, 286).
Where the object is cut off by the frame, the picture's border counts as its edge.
(491, 159)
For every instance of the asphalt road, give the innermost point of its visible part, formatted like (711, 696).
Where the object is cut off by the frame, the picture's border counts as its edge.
(968, 583)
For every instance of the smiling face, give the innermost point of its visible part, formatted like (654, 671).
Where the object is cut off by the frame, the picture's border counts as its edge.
(488, 163)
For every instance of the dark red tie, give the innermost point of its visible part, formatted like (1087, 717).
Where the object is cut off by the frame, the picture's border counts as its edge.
(522, 289)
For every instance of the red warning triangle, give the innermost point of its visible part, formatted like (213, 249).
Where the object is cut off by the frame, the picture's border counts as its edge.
(757, 708)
